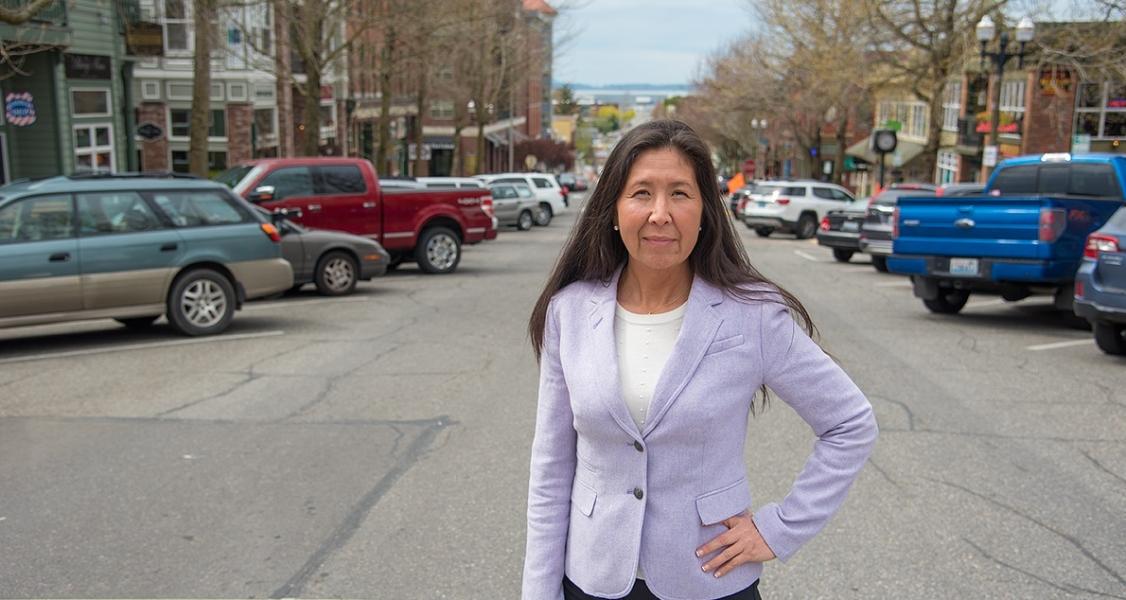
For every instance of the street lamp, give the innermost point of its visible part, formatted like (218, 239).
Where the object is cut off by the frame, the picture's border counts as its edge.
(986, 30)
(757, 126)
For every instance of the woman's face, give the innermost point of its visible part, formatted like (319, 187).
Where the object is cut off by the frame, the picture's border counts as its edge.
(659, 211)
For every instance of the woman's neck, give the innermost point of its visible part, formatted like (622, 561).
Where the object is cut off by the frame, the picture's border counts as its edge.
(646, 291)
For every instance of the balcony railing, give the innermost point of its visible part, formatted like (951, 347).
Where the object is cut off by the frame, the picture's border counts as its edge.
(52, 14)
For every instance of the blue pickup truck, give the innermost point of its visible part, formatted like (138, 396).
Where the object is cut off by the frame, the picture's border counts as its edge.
(1025, 236)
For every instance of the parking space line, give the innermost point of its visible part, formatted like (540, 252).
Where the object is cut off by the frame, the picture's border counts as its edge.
(285, 304)
(994, 302)
(146, 346)
(1056, 345)
(894, 284)
(807, 256)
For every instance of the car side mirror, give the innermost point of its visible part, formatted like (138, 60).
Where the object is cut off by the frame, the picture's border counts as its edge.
(282, 214)
(265, 193)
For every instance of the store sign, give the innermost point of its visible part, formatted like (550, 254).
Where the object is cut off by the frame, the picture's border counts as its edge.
(989, 156)
(19, 109)
(145, 39)
(87, 66)
(150, 132)
(1081, 144)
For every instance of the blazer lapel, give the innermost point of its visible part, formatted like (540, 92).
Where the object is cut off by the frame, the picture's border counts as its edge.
(701, 322)
(604, 353)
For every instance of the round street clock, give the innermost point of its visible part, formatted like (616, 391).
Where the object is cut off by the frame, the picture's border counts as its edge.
(884, 141)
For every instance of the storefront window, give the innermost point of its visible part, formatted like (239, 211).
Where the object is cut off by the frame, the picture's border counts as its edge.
(1115, 125)
(1088, 124)
(1101, 104)
(1090, 95)
(1116, 95)
(93, 149)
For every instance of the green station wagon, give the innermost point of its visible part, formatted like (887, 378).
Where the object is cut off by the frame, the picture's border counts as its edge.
(132, 248)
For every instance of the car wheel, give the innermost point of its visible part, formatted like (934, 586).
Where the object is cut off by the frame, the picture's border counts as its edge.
(1111, 338)
(438, 251)
(763, 231)
(807, 227)
(202, 302)
(948, 302)
(138, 322)
(842, 255)
(525, 221)
(336, 274)
(544, 214)
(881, 263)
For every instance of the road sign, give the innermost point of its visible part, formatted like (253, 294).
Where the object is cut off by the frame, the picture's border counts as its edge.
(989, 156)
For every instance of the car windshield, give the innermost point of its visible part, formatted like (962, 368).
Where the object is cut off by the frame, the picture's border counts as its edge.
(232, 176)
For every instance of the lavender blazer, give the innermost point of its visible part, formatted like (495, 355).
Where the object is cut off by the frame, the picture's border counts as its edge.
(603, 496)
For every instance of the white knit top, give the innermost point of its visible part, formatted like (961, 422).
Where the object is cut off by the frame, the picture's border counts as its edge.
(645, 343)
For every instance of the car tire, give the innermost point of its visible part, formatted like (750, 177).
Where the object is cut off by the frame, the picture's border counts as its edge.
(763, 231)
(880, 263)
(438, 251)
(525, 221)
(842, 255)
(948, 302)
(138, 322)
(806, 227)
(336, 274)
(201, 302)
(1110, 338)
(544, 215)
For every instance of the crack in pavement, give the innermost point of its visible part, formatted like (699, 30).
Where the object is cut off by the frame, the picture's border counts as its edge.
(900, 404)
(1067, 537)
(881, 471)
(249, 378)
(1102, 467)
(1065, 587)
(344, 532)
(1001, 436)
(332, 380)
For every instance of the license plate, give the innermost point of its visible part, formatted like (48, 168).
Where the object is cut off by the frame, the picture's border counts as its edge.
(850, 226)
(760, 204)
(963, 266)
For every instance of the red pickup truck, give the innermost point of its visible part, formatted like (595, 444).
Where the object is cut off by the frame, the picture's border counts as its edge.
(428, 226)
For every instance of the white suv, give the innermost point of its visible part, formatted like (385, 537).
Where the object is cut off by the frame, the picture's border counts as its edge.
(793, 206)
(547, 191)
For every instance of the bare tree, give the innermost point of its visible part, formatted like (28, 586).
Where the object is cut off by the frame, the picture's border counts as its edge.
(25, 13)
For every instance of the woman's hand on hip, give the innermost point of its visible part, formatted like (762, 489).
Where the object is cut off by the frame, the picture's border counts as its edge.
(741, 543)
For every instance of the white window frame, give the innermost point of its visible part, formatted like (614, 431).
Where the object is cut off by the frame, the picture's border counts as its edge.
(216, 93)
(146, 94)
(94, 150)
(947, 167)
(173, 82)
(104, 91)
(951, 106)
(329, 132)
(441, 109)
(1102, 111)
(242, 97)
(210, 138)
(186, 22)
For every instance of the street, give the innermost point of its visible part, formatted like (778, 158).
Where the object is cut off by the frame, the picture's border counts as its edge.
(377, 445)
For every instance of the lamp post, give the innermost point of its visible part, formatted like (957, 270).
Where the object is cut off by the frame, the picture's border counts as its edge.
(986, 30)
(757, 126)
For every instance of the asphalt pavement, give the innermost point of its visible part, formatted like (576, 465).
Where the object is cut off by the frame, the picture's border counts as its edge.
(377, 445)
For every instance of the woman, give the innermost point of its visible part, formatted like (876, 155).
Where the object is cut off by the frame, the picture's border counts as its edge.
(653, 335)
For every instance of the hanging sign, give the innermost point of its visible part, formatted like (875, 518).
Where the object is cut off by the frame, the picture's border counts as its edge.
(87, 66)
(150, 131)
(19, 109)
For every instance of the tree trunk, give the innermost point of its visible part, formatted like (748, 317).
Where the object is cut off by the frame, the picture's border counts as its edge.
(201, 88)
(283, 69)
(387, 55)
(312, 52)
(419, 138)
(480, 166)
(934, 127)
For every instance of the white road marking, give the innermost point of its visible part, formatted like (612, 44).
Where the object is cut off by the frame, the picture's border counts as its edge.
(807, 256)
(1040, 347)
(284, 304)
(894, 284)
(866, 269)
(994, 302)
(146, 346)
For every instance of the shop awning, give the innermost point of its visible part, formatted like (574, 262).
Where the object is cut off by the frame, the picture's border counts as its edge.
(905, 152)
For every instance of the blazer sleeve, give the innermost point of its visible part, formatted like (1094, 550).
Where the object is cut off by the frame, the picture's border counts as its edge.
(552, 474)
(804, 377)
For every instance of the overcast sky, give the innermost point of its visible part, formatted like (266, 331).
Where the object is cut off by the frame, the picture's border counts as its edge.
(643, 41)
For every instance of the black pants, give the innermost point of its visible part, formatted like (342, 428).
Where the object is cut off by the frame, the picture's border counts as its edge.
(641, 591)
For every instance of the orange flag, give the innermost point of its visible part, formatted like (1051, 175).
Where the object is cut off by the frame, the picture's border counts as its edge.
(736, 182)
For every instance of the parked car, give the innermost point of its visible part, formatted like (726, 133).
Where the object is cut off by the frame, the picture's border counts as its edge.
(960, 189)
(132, 248)
(514, 205)
(573, 182)
(1100, 284)
(792, 206)
(840, 230)
(332, 260)
(875, 233)
(450, 182)
(1025, 236)
(428, 226)
(547, 190)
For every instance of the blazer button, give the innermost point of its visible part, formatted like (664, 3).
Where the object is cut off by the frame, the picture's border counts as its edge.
(637, 493)
(638, 446)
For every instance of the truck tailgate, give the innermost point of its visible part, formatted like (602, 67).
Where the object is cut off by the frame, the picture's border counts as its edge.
(971, 226)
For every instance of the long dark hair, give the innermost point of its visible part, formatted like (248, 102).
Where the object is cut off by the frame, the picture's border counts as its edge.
(594, 251)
